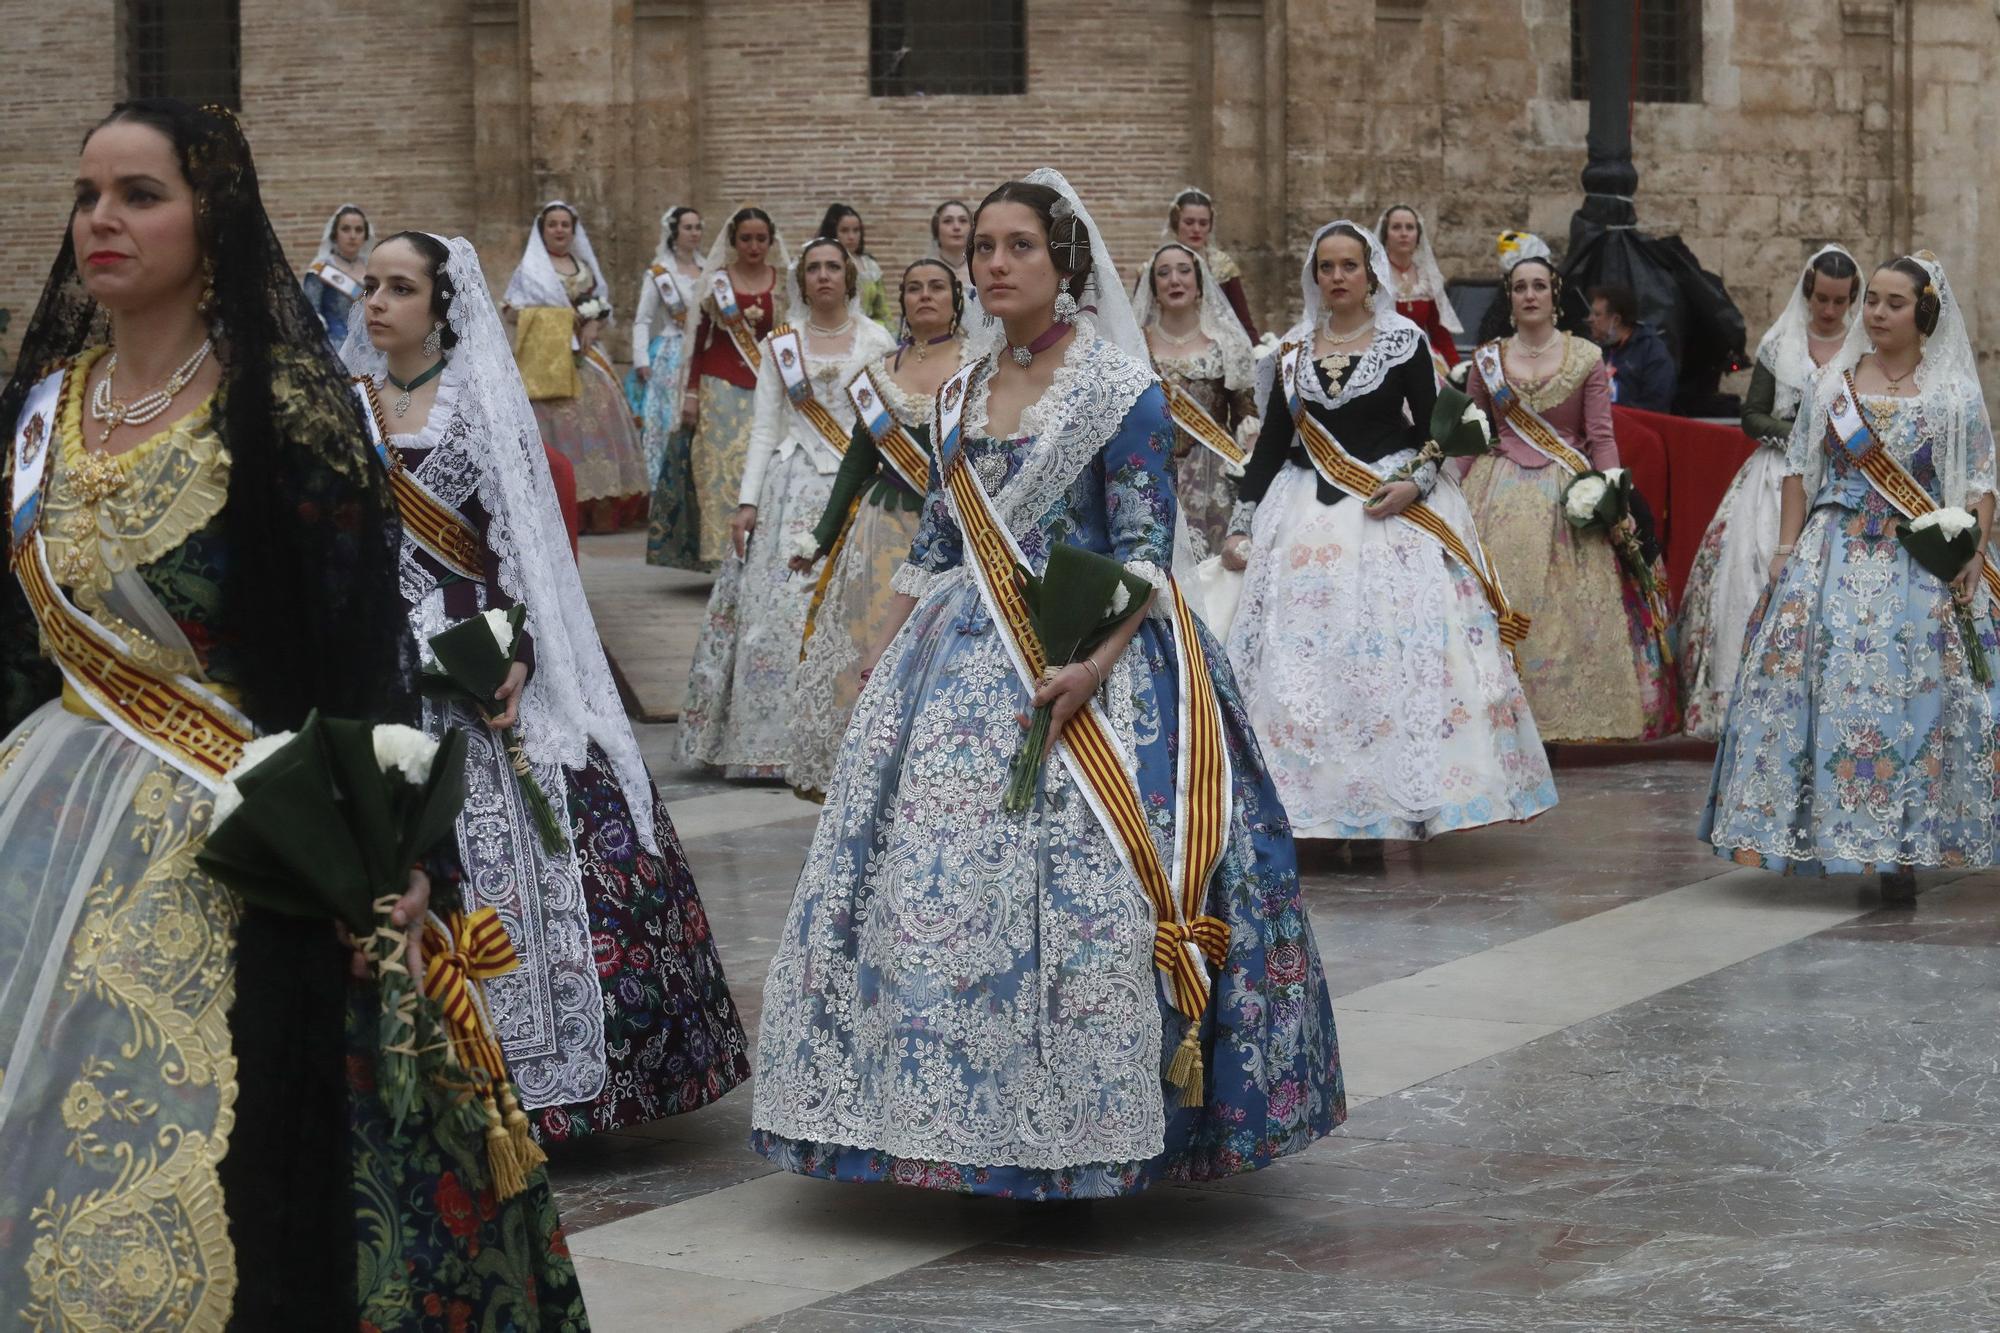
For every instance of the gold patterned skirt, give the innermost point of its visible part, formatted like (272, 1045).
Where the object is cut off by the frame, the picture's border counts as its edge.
(716, 458)
(1592, 669)
(117, 967)
(849, 607)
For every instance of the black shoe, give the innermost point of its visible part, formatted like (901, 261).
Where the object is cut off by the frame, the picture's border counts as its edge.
(1899, 888)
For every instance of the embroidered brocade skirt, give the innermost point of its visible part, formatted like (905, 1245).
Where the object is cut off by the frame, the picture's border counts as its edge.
(108, 930)
(1857, 739)
(850, 607)
(1594, 665)
(740, 701)
(1374, 674)
(716, 458)
(1731, 570)
(673, 531)
(964, 999)
(594, 432)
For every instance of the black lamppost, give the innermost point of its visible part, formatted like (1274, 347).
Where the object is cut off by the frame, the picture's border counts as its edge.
(1687, 304)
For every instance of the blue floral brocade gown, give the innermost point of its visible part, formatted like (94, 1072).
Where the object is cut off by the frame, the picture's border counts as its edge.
(966, 1000)
(1858, 739)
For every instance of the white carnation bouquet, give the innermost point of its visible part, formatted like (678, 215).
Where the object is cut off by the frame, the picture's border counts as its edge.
(1602, 502)
(1944, 541)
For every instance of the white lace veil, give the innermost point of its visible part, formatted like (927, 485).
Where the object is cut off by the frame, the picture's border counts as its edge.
(1785, 351)
(1107, 306)
(717, 259)
(536, 282)
(1218, 321)
(326, 248)
(1424, 266)
(570, 700)
(663, 253)
(1948, 395)
(1388, 323)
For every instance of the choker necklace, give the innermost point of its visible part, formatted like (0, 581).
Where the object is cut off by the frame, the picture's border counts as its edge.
(1049, 337)
(402, 405)
(1829, 338)
(845, 325)
(1177, 340)
(147, 406)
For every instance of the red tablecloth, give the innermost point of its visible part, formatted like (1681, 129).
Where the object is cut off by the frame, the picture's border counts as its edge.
(1682, 467)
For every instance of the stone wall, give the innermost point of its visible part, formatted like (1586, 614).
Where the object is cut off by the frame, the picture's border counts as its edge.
(1850, 120)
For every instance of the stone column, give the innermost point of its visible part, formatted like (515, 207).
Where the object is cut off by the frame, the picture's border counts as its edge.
(1232, 152)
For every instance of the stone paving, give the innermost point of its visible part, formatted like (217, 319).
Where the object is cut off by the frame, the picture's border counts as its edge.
(1599, 1079)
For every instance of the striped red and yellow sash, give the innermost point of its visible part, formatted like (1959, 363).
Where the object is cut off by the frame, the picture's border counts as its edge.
(1342, 469)
(1186, 940)
(181, 721)
(722, 294)
(1529, 423)
(431, 523)
(901, 452)
(789, 349)
(1195, 419)
(1850, 430)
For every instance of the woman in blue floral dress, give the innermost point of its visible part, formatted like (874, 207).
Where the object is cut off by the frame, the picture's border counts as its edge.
(1858, 739)
(967, 999)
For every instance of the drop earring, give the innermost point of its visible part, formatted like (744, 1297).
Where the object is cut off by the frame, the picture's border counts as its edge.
(434, 341)
(1065, 311)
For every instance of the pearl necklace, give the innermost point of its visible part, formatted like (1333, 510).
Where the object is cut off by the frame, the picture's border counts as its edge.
(1342, 339)
(845, 325)
(1178, 340)
(147, 406)
(1533, 353)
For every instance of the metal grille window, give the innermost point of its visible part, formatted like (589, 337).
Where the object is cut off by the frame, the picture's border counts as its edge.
(191, 49)
(1668, 36)
(973, 48)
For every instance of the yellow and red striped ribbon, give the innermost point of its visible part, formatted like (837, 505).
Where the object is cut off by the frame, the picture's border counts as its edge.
(1193, 418)
(1899, 488)
(1183, 936)
(1343, 470)
(475, 950)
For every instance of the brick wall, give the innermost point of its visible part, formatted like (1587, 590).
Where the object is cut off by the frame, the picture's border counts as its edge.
(787, 121)
(1460, 106)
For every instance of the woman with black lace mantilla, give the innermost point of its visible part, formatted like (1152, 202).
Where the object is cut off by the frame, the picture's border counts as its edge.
(205, 549)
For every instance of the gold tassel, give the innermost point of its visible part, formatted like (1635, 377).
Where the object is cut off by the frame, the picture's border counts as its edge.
(508, 1177)
(526, 1150)
(1186, 1071)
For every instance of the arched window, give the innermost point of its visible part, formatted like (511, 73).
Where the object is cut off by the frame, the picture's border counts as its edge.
(918, 48)
(1668, 36)
(191, 49)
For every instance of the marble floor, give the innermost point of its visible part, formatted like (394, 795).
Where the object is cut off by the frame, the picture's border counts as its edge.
(1599, 1079)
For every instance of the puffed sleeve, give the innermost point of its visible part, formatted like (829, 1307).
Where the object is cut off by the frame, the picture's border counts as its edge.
(645, 314)
(1600, 445)
(770, 419)
(1139, 500)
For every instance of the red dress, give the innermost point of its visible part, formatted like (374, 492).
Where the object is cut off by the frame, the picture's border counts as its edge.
(1424, 314)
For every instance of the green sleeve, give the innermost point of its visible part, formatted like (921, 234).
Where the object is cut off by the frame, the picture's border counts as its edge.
(856, 471)
(1758, 423)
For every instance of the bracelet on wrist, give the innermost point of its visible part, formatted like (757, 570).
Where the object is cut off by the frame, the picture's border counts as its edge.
(1786, 548)
(1095, 673)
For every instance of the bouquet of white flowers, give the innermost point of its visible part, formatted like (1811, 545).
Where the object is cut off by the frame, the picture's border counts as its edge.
(1944, 541)
(593, 307)
(326, 822)
(1602, 502)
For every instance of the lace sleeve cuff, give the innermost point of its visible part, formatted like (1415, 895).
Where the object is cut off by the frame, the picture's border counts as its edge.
(1241, 517)
(1162, 608)
(910, 580)
(1426, 478)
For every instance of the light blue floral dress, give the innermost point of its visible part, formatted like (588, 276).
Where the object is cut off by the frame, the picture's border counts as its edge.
(1858, 740)
(966, 1000)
